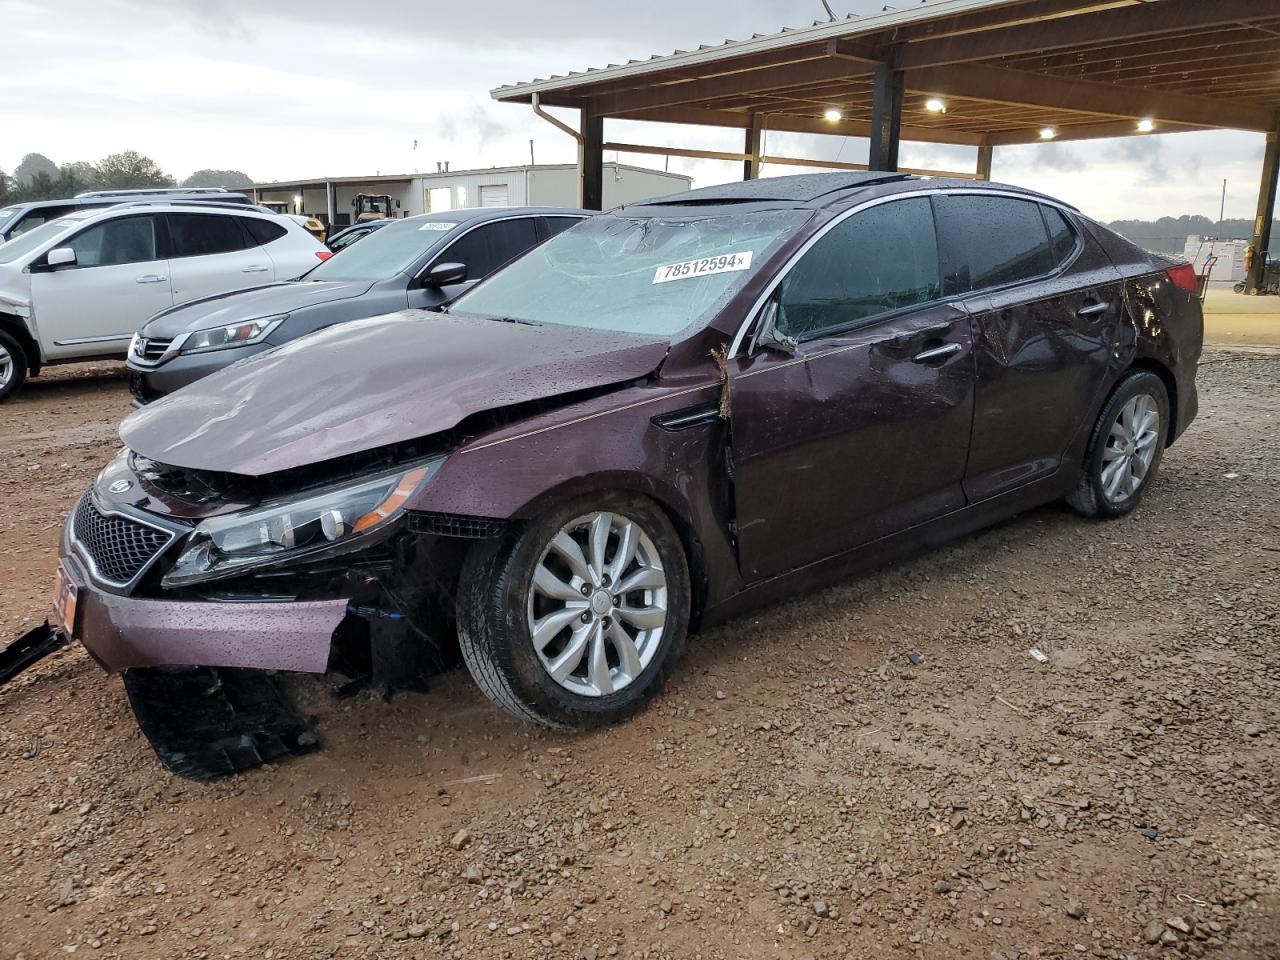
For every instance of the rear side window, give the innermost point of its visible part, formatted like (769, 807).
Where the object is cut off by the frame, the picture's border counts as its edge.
(556, 225)
(489, 246)
(991, 241)
(877, 261)
(1062, 239)
(124, 240)
(263, 231)
(200, 235)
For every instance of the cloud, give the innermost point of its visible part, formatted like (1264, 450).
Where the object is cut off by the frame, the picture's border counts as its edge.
(1057, 157)
(1146, 154)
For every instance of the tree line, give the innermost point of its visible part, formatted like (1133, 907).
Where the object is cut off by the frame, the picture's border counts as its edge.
(37, 177)
(1169, 234)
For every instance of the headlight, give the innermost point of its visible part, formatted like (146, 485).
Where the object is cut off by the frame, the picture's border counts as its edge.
(232, 335)
(289, 530)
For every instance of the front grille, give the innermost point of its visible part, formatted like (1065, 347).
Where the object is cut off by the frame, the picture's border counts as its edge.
(139, 389)
(120, 548)
(151, 349)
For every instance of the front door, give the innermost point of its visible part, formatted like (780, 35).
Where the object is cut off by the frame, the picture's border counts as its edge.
(94, 306)
(1047, 305)
(865, 430)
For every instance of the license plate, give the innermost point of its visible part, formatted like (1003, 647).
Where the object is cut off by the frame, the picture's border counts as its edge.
(64, 601)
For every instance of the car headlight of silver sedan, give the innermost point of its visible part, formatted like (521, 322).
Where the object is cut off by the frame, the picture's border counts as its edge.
(322, 522)
(232, 334)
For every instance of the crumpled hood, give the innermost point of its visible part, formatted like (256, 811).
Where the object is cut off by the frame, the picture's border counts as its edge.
(251, 304)
(369, 383)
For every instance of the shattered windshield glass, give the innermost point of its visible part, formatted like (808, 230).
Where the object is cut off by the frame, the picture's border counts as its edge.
(645, 275)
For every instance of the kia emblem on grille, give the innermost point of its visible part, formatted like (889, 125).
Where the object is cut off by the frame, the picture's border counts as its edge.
(120, 486)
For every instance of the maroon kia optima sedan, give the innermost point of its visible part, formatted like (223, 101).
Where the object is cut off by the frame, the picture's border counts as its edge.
(664, 414)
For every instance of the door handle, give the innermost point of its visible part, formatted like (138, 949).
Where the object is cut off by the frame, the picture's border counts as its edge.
(1093, 309)
(151, 278)
(936, 353)
(256, 268)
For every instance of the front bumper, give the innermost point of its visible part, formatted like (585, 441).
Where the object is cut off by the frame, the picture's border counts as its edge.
(148, 383)
(121, 630)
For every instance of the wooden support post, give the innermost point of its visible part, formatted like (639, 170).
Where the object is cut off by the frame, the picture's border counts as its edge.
(1266, 212)
(984, 161)
(754, 147)
(591, 160)
(886, 118)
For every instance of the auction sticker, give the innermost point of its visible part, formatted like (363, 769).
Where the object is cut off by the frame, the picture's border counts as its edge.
(437, 225)
(724, 263)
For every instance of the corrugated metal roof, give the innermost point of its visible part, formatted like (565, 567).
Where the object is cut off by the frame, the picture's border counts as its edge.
(851, 26)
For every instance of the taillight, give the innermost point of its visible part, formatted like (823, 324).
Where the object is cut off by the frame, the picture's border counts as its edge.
(323, 254)
(1184, 277)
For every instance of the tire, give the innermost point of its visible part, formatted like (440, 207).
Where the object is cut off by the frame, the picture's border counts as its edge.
(13, 365)
(1113, 480)
(499, 606)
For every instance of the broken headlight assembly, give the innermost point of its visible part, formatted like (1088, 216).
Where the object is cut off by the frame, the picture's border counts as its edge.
(232, 334)
(321, 522)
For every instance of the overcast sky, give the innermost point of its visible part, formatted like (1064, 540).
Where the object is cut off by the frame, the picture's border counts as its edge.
(331, 87)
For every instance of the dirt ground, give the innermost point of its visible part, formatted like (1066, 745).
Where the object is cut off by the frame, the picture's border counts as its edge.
(803, 789)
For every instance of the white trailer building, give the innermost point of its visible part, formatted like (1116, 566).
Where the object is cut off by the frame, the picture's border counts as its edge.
(544, 185)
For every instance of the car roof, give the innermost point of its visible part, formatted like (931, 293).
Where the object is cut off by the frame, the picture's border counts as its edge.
(810, 191)
(798, 188)
(476, 214)
(87, 203)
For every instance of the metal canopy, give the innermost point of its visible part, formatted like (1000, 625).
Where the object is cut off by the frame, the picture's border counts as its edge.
(1004, 68)
(1003, 72)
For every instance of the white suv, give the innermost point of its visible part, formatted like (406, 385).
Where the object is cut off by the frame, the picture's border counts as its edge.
(77, 288)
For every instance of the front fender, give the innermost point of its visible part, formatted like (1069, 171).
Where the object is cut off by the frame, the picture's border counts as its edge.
(608, 442)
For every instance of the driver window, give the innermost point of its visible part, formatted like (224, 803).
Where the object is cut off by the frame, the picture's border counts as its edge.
(877, 261)
(123, 240)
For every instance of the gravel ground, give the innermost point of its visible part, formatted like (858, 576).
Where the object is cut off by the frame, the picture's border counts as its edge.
(879, 770)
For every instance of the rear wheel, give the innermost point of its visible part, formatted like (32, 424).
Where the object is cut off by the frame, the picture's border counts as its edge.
(13, 365)
(1124, 451)
(576, 618)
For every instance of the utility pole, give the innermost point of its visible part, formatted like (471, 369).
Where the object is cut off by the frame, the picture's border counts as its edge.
(1222, 209)
(532, 162)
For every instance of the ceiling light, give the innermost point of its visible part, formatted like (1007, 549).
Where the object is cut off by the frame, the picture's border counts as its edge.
(1146, 125)
(1047, 133)
(832, 114)
(934, 105)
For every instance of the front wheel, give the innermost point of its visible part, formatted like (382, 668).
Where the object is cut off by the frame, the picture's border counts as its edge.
(13, 366)
(576, 617)
(1124, 450)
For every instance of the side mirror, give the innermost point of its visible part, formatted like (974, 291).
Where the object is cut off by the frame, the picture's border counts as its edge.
(443, 274)
(767, 335)
(60, 257)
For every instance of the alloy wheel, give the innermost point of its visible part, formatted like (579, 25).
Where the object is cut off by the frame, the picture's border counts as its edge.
(6, 367)
(598, 604)
(1130, 448)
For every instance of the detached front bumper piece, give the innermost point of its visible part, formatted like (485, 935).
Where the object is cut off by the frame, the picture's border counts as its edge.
(32, 646)
(205, 723)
